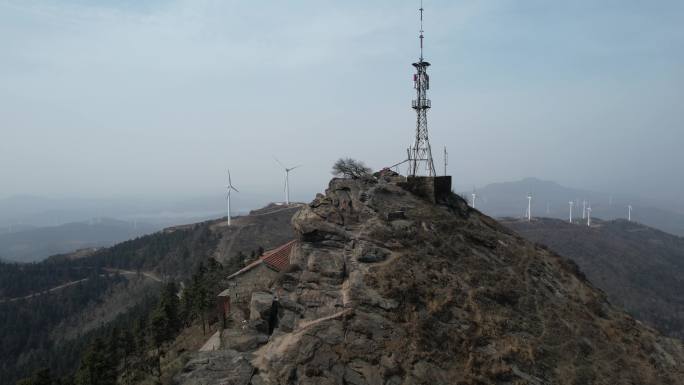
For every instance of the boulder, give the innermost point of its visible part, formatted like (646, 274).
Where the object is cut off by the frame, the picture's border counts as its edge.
(243, 340)
(226, 367)
(260, 306)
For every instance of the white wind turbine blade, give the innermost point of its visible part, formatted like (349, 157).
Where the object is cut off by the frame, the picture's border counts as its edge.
(280, 163)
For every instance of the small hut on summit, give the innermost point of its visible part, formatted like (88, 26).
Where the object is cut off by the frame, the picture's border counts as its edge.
(257, 276)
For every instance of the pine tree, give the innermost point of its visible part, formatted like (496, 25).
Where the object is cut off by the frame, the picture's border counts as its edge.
(96, 367)
(41, 377)
(127, 345)
(158, 330)
(165, 321)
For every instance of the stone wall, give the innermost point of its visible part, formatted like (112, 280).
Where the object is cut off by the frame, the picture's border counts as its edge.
(435, 189)
(258, 278)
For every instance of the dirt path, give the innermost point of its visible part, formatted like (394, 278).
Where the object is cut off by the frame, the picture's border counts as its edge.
(149, 275)
(213, 343)
(62, 286)
(65, 285)
(290, 207)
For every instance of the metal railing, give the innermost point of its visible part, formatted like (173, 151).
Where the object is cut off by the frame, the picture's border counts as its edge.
(422, 103)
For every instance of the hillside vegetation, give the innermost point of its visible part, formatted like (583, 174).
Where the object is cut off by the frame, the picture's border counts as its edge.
(106, 296)
(640, 268)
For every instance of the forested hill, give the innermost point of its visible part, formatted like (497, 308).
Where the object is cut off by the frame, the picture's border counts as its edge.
(53, 311)
(18, 280)
(639, 267)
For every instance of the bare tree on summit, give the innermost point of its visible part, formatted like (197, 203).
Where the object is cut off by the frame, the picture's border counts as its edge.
(350, 168)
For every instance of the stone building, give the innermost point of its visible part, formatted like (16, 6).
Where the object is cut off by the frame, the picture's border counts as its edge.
(257, 276)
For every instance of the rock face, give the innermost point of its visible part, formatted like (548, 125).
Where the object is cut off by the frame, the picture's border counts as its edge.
(225, 367)
(441, 295)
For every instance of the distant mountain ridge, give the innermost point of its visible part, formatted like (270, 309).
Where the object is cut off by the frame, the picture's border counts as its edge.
(21, 211)
(38, 243)
(550, 199)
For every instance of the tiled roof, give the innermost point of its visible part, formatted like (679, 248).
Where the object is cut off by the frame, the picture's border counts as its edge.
(277, 259)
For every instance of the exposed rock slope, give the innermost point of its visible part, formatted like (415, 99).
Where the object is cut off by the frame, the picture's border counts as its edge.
(439, 294)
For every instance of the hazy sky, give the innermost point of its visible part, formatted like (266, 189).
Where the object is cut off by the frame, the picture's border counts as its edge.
(145, 97)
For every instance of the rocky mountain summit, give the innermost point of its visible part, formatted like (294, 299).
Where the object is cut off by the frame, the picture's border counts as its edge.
(387, 287)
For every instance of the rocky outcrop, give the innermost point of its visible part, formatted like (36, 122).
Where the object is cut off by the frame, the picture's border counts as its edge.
(441, 295)
(226, 367)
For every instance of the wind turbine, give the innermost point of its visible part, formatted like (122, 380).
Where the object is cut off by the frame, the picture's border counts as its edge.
(584, 209)
(287, 179)
(571, 203)
(529, 207)
(474, 196)
(629, 213)
(230, 188)
(589, 216)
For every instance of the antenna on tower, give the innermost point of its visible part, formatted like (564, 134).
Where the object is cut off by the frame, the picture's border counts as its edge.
(421, 30)
(420, 154)
(446, 160)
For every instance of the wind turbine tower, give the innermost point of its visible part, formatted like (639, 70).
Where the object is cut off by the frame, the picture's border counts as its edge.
(474, 196)
(287, 180)
(629, 213)
(589, 216)
(529, 207)
(230, 188)
(584, 209)
(571, 203)
(420, 154)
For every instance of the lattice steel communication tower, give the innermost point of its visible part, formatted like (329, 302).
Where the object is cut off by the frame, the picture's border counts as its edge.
(420, 154)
